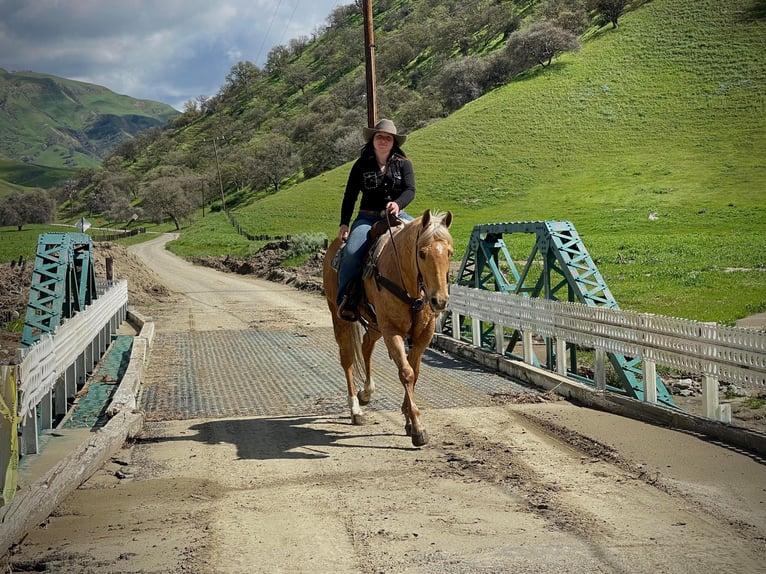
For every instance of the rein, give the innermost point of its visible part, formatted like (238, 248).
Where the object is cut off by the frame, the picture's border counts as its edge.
(416, 305)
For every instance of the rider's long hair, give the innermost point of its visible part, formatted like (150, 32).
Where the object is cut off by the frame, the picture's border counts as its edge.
(368, 150)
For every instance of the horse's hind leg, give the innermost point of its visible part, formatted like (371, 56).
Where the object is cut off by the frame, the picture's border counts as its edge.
(368, 344)
(357, 416)
(344, 338)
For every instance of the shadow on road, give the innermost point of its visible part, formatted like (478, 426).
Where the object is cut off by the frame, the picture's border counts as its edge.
(281, 437)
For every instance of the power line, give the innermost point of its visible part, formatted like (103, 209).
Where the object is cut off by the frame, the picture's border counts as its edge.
(289, 21)
(268, 30)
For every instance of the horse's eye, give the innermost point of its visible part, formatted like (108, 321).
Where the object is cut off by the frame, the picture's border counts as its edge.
(422, 255)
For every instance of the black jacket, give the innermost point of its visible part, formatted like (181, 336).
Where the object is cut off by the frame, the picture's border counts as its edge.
(377, 188)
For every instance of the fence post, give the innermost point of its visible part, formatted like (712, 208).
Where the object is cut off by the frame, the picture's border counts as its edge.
(9, 446)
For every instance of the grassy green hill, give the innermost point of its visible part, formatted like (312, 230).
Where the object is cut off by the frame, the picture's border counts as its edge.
(662, 117)
(665, 115)
(15, 175)
(52, 121)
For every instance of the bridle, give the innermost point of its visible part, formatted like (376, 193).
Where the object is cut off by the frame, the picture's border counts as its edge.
(415, 304)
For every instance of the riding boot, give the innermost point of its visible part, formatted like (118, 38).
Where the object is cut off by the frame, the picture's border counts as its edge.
(349, 304)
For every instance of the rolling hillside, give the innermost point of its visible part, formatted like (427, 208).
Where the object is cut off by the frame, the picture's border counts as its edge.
(56, 122)
(665, 116)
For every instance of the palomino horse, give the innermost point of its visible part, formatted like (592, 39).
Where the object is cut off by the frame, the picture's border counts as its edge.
(402, 298)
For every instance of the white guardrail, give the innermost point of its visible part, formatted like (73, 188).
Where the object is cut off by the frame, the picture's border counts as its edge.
(72, 350)
(715, 352)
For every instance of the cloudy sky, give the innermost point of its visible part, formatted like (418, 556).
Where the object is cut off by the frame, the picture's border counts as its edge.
(166, 50)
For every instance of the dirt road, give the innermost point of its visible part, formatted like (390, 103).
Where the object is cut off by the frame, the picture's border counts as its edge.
(520, 488)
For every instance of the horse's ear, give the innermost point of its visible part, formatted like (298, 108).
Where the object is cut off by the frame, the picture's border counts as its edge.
(447, 219)
(426, 218)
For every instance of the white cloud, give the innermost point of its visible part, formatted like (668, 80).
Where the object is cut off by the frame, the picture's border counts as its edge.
(165, 50)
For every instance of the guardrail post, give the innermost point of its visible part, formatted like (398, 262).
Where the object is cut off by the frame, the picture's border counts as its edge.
(81, 371)
(476, 332)
(649, 370)
(60, 396)
(87, 361)
(561, 356)
(70, 381)
(28, 441)
(46, 411)
(710, 396)
(499, 338)
(456, 325)
(599, 369)
(529, 350)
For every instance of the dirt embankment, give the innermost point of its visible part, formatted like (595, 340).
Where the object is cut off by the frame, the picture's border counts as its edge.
(267, 264)
(144, 288)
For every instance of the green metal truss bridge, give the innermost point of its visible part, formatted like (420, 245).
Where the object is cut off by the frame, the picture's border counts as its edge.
(63, 283)
(549, 261)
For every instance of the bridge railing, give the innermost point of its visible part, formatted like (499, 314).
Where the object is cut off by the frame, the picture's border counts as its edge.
(49, 373)
(714, 352)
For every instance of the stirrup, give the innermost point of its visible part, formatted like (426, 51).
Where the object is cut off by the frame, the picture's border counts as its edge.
(347, 314)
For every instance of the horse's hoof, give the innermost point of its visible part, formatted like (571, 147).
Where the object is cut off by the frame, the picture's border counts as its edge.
(420, 439)
(408, 429)
(358, 420)
(362, 401)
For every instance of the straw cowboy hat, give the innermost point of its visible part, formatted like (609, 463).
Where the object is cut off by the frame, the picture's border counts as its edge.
(385, 126)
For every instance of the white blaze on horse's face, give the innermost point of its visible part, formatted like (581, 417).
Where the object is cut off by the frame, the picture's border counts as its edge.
(434, 263)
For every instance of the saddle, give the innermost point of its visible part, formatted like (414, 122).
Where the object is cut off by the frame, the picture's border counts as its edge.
(377, 238)
(381, 227)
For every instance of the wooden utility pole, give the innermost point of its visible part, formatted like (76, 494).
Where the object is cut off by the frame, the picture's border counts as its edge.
(369, 61)
(220, 181)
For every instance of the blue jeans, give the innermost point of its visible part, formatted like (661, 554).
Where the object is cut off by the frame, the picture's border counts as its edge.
(356, 248)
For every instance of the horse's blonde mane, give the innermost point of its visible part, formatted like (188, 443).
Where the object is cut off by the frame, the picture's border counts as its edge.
(436, 230)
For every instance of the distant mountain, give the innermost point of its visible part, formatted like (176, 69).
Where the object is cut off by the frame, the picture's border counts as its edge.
(56, 122)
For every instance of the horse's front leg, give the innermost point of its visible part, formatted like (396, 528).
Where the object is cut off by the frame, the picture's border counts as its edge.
(413, 425)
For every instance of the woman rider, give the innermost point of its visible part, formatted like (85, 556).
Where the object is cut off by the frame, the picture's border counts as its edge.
(386, 180)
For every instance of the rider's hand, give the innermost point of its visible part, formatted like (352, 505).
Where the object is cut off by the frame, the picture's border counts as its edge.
(393, 208)
(343, 233)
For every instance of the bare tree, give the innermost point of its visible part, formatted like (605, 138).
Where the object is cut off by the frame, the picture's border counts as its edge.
(461, 82)
(21, 208)
(539, 43)
(567, 14)
(171, 194)
(275, 160)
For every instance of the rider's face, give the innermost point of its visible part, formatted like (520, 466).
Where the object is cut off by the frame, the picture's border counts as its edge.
(383, 141)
